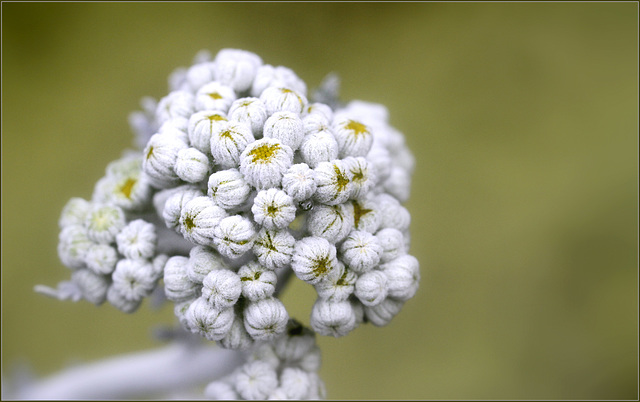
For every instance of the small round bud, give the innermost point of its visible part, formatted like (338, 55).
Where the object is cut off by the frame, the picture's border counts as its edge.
(73, 246)
(137, 240)
(192, 165)
(264, 352)
(203, 260)
(177, 199)
(228, 189)
(209, 321)
(361, 251)
(314, 259)
(257, 282)
(317, 147)
(285, 126)
(312, 360)
(74, 212)
(331, 222)
(264, 162)
(380, 159)
(176, 129)
(124, 185)
(256, 380)
(214, 96)
(273, 248)
(273, 209)
(393, 215)
(176, 104)
(371, 288)
(228, 142)
(134, 279)
(279, 99)
(237, 338)
(159, 160)
(201, 127)
(333, 318)
(92, 286)
(104, 223)
(334, 182)
(366, 215)
(295, 343)
(198, 75)
(119, 301)
(221, 288)
(321, 110)
(234, 236)
(392, 242)
(236, 68)
(269, 76)
(403, 277)
(337, 289)
(295, 383)
(354, 138)
(299, 182)
(398, 184)
(250, 111)
(363, 177)
(177, 286)
(220, 391)
(101, 259)
(381, 314)
(198, 220)
(265, 319)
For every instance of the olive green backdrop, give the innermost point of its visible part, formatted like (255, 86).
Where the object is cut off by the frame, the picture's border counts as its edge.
(523, 120)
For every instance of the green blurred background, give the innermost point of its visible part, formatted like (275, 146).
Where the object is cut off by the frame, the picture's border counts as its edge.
(523, 120)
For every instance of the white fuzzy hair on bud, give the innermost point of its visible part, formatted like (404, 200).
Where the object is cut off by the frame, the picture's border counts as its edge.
(280, 76)
(228, 142)
(333, 180)
(264, 162)
(192, 165)
(119, 301)
(137, 240)
(228, 189)
(256, 380)
(73, 246)
(234, 236)
(221, 288)
(265, 319)
(203, 260)
(367, 216)
(201, 127)
(74, 212)
(317, 147)
(403, 277)
(331, 222)
(250, 111)
(338, 288)
(177, 286)
(392, 242)
(176, 104)
(381, 314)
(354, 137)
(333, 318)
(214, 96)
(177, 199)
(134, 279)
(92, 286)
(257, 281)
(236, 68)
(295, 383)
(299, 182)
(273, 209)
(273, 248)
(237, 338)
(208, 321)
(285, 126)
(159, 160)
(361, 251)
(199, 218)
(371, 288)
(282, 99)
(314, 259)
(104, 223)
(101, 258)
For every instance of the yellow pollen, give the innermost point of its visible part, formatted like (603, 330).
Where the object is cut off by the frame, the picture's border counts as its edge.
(127, 187)
(150, 152)
(358, 212)
(264, 153)
(357, 128)
(321, 266)
(341, 180)
(188, 223)
(215, 95)
(216, 117)
(272, 210)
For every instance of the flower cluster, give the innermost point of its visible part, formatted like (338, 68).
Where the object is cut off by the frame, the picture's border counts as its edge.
(283, 370)
(258, 182)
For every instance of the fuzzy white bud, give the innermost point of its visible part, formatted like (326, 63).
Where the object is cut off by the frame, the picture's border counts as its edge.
(265, 319)
(257, 282)
(221, 288)
(201, 127)
(264, 162)
(273, 209)
(177, 286)
(208, 321)
(236, 68)
(234, 236)
(214, 96)
(366, 215)
(137, 240)
(317, 147)
(92, 286)
(134, 279)
(74, 212)
(228, 141)
(392, 242)
(361, 251)
(331, 222)
(176, 104)
(192, 165)
(280, 76)
(119, 301)
(285, 126)
(104, 222)
(273, 248)
(198, 220)
(392, 214)
(381, 314)
(295, 383)
(177, 199)
(228, 189)
(339, 288)
(256, 380)
(299, 182)
(314, 259)
(354, 137)
(101, 258)
(333, 318)
(203, 260)
(73, 246)
(371, 288)
(334, 182)
(279, 99)
(159, 160)
(237, 338)
(403, 277)
(250, 111)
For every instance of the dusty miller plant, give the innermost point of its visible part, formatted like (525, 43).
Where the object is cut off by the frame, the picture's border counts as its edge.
(236, 183)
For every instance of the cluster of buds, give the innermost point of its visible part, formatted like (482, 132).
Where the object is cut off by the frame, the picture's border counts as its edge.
(239, 182)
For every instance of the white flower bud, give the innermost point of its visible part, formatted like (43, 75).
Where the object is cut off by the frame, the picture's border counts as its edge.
(215, 96)
(392, 242)
(273, 248)
(201, 127)
(250, 111)
(337, 289)
(317, 388)
(178, 198)
(180, 311)
(209, 321)
(361, 251)
(299, 182)
(199, 74)
(73, 246)
(256, 380)
(278, 99)
(366, 214)
(398, 184)
(264, 162)
(312, 360)
(295, 343)
(134, 279)
(192, 165)
(203, 260)
(159, 160)
(269, 76)
(119, 301)
(236, 68)
(176, 104)
(234, 236)
(257, 282)
(221, 288)
(371, 288)
(104, 223)
(333, 318)
(320, 109)
(124, 185)
(158, 264)
(228, 189)
(363, 177)
(74, 212)
(176, 129)
(228, 141)
(265, 319)
(137, 240)
(403, 277)
(334, 182)
(295, 383)
(177, 286)
(354, 138)
(382, 314)
(285, 126)
(314, 259)
(393, 215)
(331, 222)
(93, 286)
(220, 391)
(317, 147)
(273, 209)
(101, 258)
(199, 218)
(237, 338)
(381, 161)
(264, 352)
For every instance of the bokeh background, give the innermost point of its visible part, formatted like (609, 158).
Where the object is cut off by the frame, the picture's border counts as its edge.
(523, 120)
